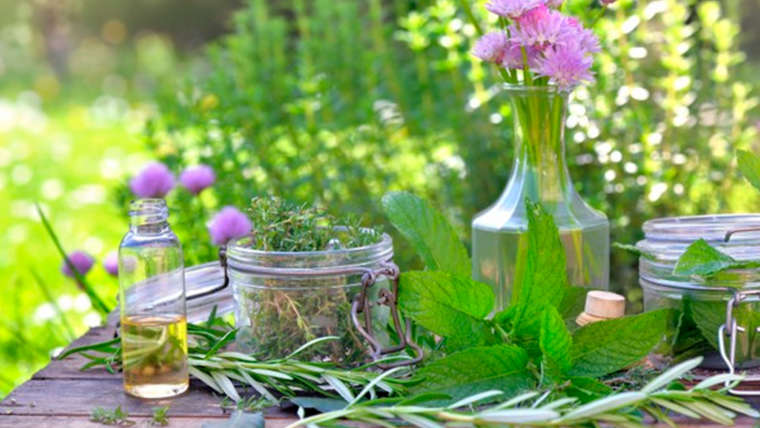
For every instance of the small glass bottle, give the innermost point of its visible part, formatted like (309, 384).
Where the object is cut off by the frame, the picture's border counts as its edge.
(152, 304)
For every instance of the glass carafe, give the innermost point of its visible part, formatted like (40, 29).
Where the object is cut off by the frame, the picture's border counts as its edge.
(539, 174)
(152, 304)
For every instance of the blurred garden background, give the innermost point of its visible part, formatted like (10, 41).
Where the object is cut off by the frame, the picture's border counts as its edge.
(334, 102)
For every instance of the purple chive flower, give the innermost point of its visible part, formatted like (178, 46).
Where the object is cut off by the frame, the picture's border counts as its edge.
(555, 3)
(227, 224)
(608, 2)
(197, 178)
(541, 27)
(513, 56)
(111, 263)
(585, 38)
(82, 263)
(154, 181)
(566, 66)
(491, 47)
(512, 9)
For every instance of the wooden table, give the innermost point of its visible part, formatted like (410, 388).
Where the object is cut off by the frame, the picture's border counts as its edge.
(60, 395)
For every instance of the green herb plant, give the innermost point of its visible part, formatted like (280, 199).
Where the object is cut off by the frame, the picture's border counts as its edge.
(226, 371)
(281, 314)
(116, 416)
(160, 417)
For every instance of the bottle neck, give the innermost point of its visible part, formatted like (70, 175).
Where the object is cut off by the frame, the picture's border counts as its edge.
(148, 216)
(540, 163)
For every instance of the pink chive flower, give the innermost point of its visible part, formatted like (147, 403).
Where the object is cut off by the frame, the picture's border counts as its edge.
(227, 224)
(197, 178)
(566, 66)
(111, 263)
(513, 56)
(585, 38)
(512, 9)
(82, 263)
(154, 181)
(555, 3)
(491, 47)
(608, 2)
(541, 27)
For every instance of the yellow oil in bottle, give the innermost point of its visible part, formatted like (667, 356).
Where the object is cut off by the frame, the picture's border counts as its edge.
(154, 353)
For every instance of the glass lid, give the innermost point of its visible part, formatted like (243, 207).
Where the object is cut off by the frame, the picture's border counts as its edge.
(738, 235)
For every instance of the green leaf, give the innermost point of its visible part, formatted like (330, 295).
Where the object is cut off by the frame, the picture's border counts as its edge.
(608, 346)
(702, 259)
(448, 305)
(710, 315)
(573, 303)
(749, 165)
(634, 250)
(484, 368)
(587, 389)
(429, 232)
(555, 343)
(544, 280)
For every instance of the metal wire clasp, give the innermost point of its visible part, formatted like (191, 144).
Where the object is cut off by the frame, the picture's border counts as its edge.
(731, 329)
(389, 298)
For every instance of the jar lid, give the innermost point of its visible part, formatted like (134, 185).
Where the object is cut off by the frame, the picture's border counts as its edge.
(666, 239)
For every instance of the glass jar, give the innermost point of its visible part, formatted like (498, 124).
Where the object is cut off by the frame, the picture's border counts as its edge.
(540, 174)
(286, 299)
(152, 304)
(704, 300)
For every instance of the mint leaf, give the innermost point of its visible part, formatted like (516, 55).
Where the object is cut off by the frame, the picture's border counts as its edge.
(749, 165)
(555, 343)
(633, 249)
(587, 389)
(572, 304)
(710, 315)
(702, 259)
(608, 346)
(544, 280)
(429, 232)
(448, 305)
(478, 369)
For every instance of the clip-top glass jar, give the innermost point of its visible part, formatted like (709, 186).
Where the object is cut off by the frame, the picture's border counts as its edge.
(286, 299)
(152, 304)
(709, 304)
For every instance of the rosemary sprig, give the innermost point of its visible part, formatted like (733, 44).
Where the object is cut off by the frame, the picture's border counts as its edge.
(658, 399)
(225, 371)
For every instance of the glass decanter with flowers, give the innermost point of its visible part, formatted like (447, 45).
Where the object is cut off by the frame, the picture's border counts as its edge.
(541, 55)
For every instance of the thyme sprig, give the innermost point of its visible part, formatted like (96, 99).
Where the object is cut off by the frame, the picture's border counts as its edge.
(661, 398)
(280, 225)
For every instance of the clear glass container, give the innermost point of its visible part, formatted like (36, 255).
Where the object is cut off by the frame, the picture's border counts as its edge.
(286, 299)
(703, 300)
(539, 173)
(152, 304)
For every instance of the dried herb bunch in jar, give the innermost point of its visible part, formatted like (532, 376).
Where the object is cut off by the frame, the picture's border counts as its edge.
(281, 310)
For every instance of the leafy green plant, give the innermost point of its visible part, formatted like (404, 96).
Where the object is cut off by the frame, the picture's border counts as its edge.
(116, 416)
(160, 417)
(526, 345)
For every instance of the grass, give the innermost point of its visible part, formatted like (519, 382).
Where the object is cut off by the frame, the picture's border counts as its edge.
(66, 158)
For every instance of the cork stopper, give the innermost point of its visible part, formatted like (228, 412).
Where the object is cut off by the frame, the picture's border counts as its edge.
(600, 306)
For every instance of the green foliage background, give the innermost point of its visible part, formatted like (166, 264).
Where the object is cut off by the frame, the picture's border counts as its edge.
(338, 102)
